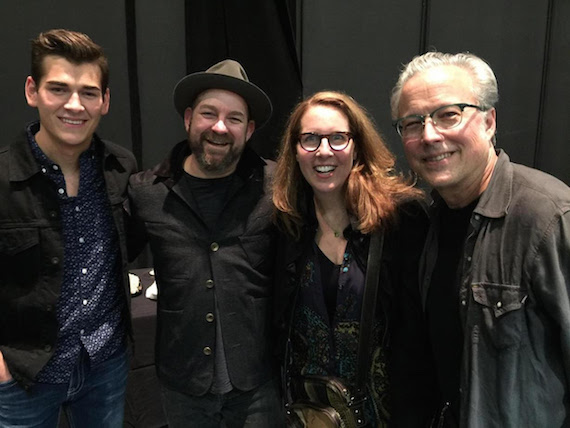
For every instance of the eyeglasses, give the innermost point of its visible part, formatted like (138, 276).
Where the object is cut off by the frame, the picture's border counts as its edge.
(445, 117)
(337, 140)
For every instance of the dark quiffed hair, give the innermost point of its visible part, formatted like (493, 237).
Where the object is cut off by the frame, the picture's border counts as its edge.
(373, 189)
(75, 47)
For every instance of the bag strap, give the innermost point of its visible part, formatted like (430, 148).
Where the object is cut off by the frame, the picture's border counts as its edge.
(369, 301)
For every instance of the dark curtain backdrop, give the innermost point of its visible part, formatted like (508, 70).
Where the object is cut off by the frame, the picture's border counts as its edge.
(260, 34)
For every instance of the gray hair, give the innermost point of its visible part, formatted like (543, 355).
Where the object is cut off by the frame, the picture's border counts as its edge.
(485, 83)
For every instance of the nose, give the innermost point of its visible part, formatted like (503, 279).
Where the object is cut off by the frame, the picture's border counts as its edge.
(430, 132)
(74, 102)
(220, 127)
(324, 148)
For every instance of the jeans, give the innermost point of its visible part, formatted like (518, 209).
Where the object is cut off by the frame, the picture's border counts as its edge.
(93, 398)
(258, 408)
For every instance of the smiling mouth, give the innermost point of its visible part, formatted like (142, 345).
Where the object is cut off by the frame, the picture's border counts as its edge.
(217, 143)
(438, 157)
(325, 168)
(72, 121)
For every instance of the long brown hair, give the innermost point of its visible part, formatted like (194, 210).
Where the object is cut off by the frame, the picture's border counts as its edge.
(373, 189)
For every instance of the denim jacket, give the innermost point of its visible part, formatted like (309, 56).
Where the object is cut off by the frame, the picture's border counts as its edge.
(514, 297)
(31, 251)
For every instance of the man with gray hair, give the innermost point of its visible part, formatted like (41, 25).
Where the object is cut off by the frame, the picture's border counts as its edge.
(496, 265)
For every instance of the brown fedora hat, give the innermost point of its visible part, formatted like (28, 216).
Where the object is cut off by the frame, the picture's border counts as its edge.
(229, 75)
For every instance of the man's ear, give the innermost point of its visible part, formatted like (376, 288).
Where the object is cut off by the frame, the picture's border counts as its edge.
(250, 129)
(106, 102)
(31, 92)
(187, 118)
(491, 123)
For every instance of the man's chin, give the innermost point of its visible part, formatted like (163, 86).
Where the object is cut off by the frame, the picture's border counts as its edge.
(215, 164)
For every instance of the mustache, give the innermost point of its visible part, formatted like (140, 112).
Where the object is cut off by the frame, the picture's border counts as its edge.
(216, 138)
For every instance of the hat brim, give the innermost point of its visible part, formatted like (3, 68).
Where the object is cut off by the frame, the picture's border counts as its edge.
(189, 87)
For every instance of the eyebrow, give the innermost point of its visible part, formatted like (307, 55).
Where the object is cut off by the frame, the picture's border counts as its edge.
(65, 85)
(231, 113)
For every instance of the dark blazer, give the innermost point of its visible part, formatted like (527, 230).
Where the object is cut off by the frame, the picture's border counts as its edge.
(196, 269)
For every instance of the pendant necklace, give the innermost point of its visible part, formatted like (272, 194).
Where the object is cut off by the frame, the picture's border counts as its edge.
(337, 233)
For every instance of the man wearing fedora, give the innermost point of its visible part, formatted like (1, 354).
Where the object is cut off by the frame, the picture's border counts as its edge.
(206, 211)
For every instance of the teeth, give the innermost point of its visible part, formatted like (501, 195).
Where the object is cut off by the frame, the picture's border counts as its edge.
(325, 168)
(438, 158)
(72, 122)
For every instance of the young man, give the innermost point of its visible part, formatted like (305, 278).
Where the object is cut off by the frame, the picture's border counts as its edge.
(496, 266)
(207, 213)
(63, 285)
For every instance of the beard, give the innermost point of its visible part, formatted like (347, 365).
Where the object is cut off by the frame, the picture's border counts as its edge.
(212, 159)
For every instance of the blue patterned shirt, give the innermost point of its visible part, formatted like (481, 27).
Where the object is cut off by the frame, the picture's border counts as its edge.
(91, 304)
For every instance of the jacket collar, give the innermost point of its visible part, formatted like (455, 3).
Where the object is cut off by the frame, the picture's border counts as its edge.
(23, 165)
(172, 167)
(496, 198)
(21, 162)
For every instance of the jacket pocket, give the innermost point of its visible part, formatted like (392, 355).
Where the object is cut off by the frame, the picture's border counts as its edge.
(19, 258)
(502, 315)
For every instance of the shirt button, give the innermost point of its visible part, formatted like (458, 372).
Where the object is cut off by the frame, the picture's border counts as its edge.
(84, 302)
(463, 302)
(469, 258)
(61, 191)
(207, 350)
(44, 170)
(54, 260)
(77, 209)
(214, 246)
(81, 240)
(55, 167)
(81, 331)
(209, 317)
(209, 283)
(477, 216)
(84, 271)
(499, 304)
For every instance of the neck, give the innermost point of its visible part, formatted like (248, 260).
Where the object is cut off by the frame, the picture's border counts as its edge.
(456, 198)
(67, 157)
(332, 215)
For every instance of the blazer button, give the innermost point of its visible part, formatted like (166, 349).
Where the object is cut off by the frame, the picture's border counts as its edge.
(214, 246)
(209, 283)
(54, 260)
(47, 348)
(209, 317)
(207, 350)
